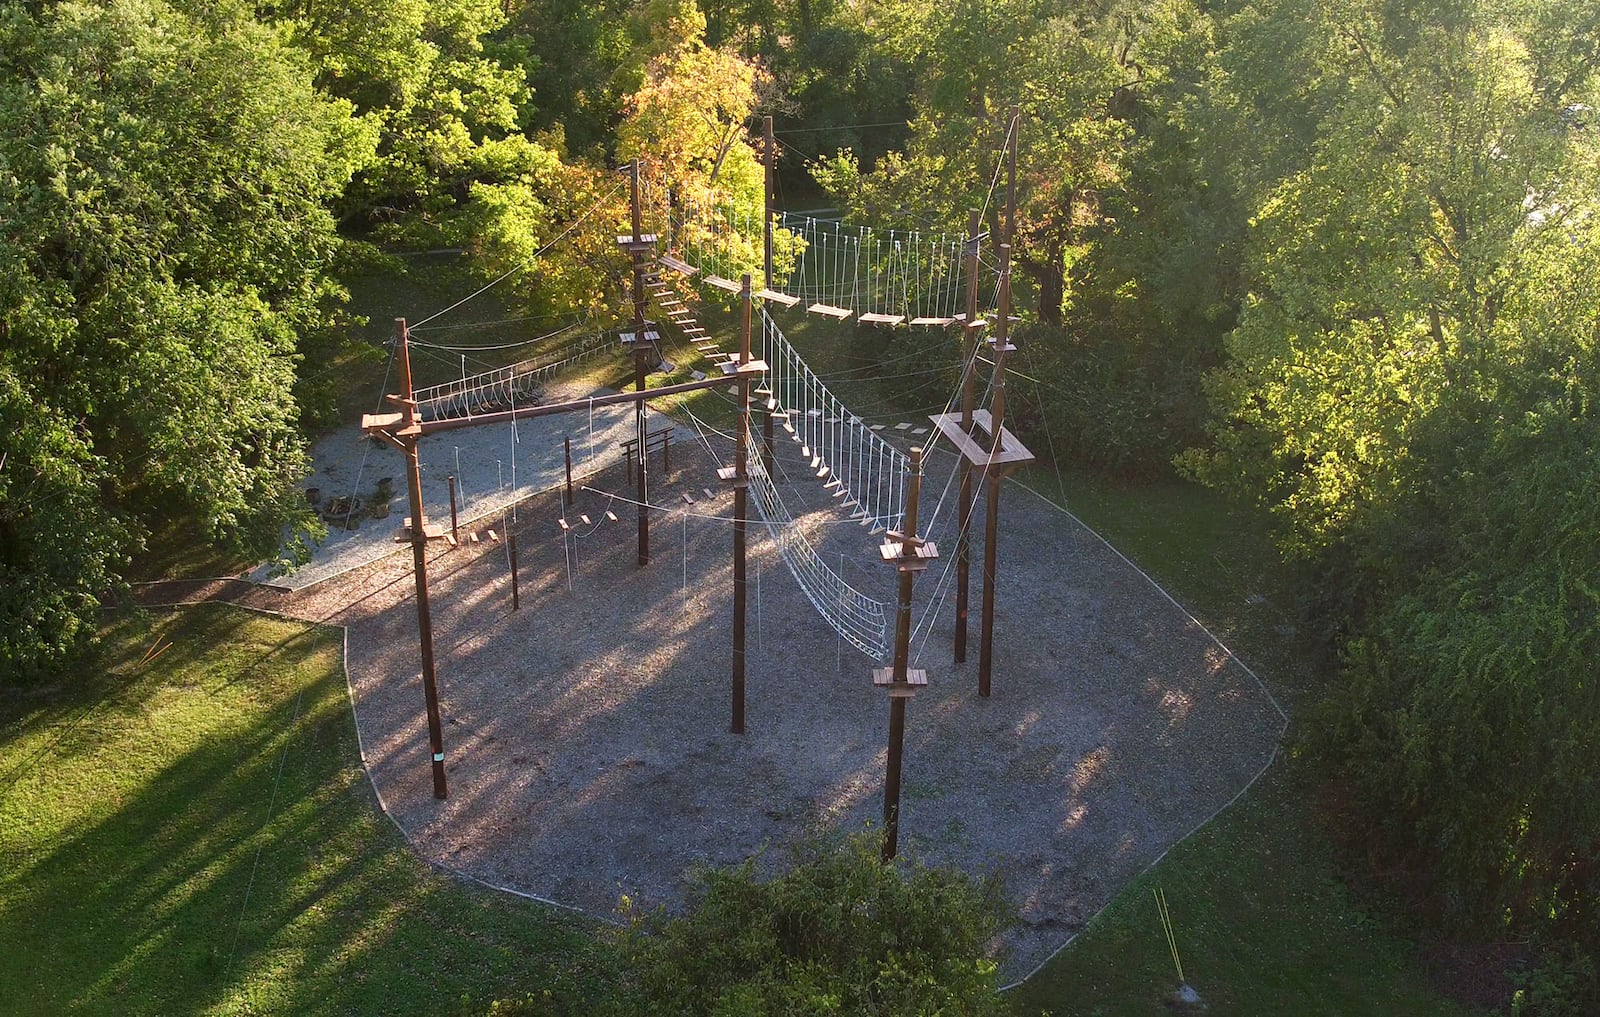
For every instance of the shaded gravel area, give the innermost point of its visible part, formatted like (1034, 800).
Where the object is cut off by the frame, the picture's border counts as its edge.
(494, 468)
(587, 734)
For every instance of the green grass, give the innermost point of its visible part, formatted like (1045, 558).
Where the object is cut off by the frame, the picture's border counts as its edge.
(195, 835)
(1264, 924)
(1263, 927)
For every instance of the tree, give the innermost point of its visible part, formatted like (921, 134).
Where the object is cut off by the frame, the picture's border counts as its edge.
(839, 932)
(164, 177)
(1059, 73)
(689, 122)
(1411, 391)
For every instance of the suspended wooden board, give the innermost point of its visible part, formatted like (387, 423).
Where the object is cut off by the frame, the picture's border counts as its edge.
(830, 311)
(1011, 453)
(874, 318)
(778, 298)
(941, 322)
(677, 264)
(723, 284)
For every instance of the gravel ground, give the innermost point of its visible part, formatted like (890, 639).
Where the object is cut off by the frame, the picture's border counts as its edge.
(492, 470)
(587, 734)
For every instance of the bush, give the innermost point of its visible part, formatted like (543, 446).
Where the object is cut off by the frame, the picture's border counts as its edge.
(1468, 721)
(839, 932)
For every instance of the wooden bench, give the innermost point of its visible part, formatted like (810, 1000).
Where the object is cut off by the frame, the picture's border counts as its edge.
(661, 438)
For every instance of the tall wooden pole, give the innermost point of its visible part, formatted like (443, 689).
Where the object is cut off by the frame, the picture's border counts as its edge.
(454, 534)
(770, 161)
(640, 364)
(741, 475)
(566, 443)
(992, 514)
(409, 434)
(516, 594)
(965, 502)
(1011, 181)
(770, 158)
(911, 556)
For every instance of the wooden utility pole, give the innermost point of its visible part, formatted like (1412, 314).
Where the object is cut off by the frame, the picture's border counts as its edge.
(770, 160)
(402, 430)
(1002, 347)
(997, 457)
(1011, 181)
(971, 325)
(738, 476)
(455, 537)
(566, 444)
(640, 247)
(991, 535)
(910, 555)
(511, 547)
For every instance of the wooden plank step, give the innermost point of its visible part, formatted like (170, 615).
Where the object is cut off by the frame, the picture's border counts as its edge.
(723, 284)
(778, 298)
(677, 264)
(830, 311)
(873, 318)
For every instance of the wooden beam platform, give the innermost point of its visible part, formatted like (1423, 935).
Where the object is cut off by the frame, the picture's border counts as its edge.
(1011, 454)
(874, 318)
(916, 678)
(778, 298)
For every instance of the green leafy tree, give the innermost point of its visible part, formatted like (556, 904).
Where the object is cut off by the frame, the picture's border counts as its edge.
(839, 932)
(1411, 391)
(689, 124)
(164, 179)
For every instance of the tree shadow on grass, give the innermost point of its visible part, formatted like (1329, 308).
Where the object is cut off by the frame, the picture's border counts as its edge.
(212, 844)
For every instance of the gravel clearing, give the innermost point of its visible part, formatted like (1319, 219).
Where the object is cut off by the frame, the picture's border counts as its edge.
(587, 734)
(494, 468)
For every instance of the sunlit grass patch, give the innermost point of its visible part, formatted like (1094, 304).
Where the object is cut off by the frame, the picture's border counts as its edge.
(191, 831)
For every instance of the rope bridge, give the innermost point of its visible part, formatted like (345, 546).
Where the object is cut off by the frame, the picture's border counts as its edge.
(504, 387)
(854, 615)
(864, 473)
(881, 277)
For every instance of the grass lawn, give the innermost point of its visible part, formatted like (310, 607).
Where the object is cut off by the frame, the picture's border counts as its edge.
(1263, 924)
(194, 834)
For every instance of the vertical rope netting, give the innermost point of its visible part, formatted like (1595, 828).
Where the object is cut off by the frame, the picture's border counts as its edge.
(856, 617)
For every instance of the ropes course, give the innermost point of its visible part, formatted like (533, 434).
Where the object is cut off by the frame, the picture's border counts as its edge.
(864, 473)
(880, 277)
(502, 387)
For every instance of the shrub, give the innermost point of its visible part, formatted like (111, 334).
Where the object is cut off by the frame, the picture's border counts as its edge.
(839, 932)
